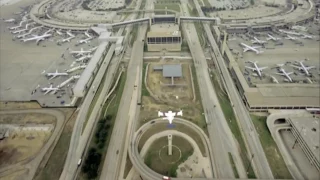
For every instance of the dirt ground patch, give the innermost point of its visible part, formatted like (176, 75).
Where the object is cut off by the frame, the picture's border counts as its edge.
(21, 145)
(156, 82)
(52, 165)
(168, 96)
(19, 105)
(18, 175)
(27, 118)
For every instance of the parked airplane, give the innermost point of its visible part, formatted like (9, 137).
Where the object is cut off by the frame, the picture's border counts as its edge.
(59, 32)
(291, 38)
(49, 89)
(169, 115)
(87, 40)
(299, 28)
(19, 31)
(290, 32)
(305, 36)
(252, 48)
(256, 68)
(24, 35)
(88, 35)
(76, 68)
(273, 38)
(80, 53)
(66, 39)
(70, 34)
(37, 38)
(84, 40)
(81, 59)
(257, 41)
(17, 27)
(286, 74)
(303, 68)
(274, 80)
(55, 74)
(10, 20)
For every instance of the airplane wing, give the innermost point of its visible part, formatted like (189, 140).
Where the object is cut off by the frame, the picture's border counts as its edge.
(255, 47)
(295, 66)
(53, 77)
(250, 68)
(47, 91)
(290, 73)
(261, 68)
(160, 113)
(245, 49)
(310, 67)
(280, 74)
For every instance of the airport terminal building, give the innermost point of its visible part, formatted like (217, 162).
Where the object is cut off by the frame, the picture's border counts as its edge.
(262, 97)
(164, 37)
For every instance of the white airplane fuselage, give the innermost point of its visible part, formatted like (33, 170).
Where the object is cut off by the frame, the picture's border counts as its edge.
(9, 20)
(257, 41)
(247, 47)
(304, 69)
(37, 38)
(284, 73)
(290, 32)
(273, 38)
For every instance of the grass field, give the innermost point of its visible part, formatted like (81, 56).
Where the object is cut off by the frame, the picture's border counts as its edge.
(206, 3)
(144, 90)
(157, 156)
(234, 168)
(233, 125)
(203, 124)
(276, 162)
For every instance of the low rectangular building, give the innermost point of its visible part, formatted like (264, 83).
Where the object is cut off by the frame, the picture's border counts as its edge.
(164, 37)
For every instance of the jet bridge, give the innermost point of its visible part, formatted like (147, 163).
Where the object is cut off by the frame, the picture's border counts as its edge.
(129, 22)
(185, 18)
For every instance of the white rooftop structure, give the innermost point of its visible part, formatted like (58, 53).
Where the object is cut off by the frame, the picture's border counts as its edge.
(81, 86)
(172, 70)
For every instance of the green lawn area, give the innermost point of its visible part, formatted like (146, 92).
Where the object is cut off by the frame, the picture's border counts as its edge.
(234, 168)
(233, 125)
(276, 162)
(157, 157)
(206, 3)
(110, 112)
(144, 90)
(174, 7)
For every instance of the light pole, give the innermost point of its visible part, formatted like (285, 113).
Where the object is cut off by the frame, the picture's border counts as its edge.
(249, 165)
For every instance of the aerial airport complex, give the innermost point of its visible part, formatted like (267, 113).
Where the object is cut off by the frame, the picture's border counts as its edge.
(159, 89)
